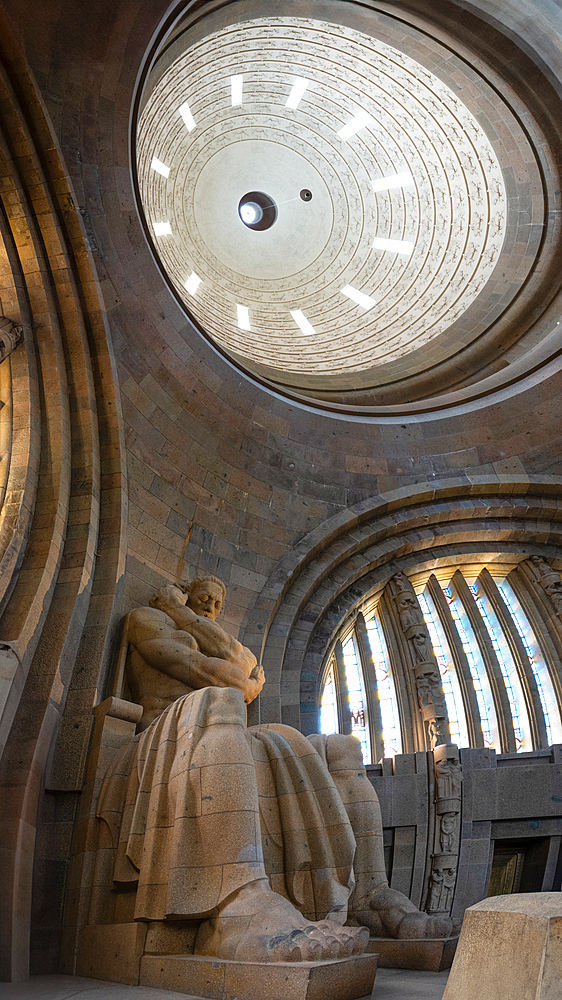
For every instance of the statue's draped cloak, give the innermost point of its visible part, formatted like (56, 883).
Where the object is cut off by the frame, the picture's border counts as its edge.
(190, 827)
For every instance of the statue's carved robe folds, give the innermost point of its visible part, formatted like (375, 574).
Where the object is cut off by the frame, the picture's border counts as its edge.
(191, 826)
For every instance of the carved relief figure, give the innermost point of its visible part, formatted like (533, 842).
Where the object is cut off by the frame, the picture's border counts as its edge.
(408, 609)
(447, 832)
(435, 888)
(438, 729)
(423, 650)
(449, 775)
(422, 658)
(191, 802)
(550, 581)
(10, 336)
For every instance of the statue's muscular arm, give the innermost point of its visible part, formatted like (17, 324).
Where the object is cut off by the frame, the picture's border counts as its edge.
(175, 653)
(210, 637)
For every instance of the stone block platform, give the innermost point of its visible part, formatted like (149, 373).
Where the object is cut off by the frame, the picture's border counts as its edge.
(510, 947)
(422, 955)
(341, 979)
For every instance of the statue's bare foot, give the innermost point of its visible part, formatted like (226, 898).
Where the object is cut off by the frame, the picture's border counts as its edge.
(388, 913)
(257, 925)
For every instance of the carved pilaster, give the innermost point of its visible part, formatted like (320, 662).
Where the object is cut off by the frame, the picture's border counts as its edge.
(446, 834)
(420, 660)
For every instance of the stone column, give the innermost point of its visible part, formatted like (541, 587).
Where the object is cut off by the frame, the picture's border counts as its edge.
(446, 835)
(419, 659)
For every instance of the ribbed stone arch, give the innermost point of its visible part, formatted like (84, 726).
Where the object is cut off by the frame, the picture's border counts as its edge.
(334, 566)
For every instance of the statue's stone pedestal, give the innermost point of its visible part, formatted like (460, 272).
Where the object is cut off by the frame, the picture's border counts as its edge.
(510, 947)
(342, 979)
(121, 953)
(422, 955)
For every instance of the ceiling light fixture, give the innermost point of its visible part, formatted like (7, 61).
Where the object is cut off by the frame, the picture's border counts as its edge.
(243, 317)
(251, 212)
(236, 87)
(359, 122)
(393, 181)
(162, 229)
(187, 116)
(302, 322)
(192, 283)
(365, 301)
(395, 246)
(296, 95)
(160, 167)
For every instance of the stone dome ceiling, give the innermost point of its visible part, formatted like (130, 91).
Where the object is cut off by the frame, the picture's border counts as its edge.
(408, 210)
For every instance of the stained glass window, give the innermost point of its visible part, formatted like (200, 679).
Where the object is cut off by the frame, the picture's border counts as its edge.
(357, 700)
(392, 740)
(328, 705)
(449, 677)
(477, 669)
(537, 663)
(513, 688)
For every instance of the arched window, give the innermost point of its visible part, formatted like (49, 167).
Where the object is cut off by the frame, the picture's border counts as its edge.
(499, 677)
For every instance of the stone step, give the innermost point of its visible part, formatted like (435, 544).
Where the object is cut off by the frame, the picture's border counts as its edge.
(218, 979)
(422, 955)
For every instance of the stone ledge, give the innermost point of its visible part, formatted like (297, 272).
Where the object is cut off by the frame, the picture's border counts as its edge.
(218, 979)
(421, 955)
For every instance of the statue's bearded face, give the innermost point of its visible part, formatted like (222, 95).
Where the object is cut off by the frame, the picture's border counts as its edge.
(206, 599)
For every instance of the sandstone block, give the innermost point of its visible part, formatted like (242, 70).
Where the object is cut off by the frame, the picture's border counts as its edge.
(423, 955)
(510, 946)
(111, 952)
(341, 979)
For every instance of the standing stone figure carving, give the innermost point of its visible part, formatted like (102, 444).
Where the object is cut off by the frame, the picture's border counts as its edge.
(10, 336)
(446, 838)
(550, 582)
(273, 841)
(420, 658)
(448, 774)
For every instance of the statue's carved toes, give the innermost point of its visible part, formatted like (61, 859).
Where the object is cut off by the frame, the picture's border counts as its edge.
(388, 913)
(258, 925)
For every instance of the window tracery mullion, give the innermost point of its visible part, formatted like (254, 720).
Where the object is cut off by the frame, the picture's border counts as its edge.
(371, 688)
(343, 690)
(470, 703)
(521, 660)
(495, 677)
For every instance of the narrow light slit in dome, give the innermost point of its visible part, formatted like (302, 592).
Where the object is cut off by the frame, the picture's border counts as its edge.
(236, 88)
(395, 246)
(357, 123)
(243, 317)
(162, 229)
(160, 167)
(297, 92)
(192, 283)
(302, 322)
(393, 181)
(365, 301)
(187, 116)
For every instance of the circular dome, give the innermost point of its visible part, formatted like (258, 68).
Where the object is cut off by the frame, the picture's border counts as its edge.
(409, 209)
(407, 257)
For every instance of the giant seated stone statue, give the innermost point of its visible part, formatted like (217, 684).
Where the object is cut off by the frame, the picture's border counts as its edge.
(271, 840)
